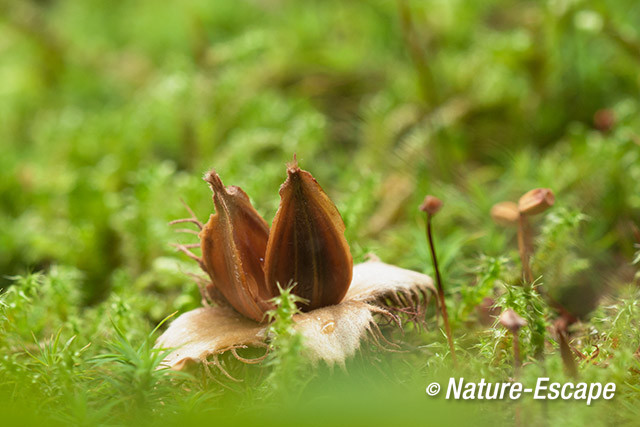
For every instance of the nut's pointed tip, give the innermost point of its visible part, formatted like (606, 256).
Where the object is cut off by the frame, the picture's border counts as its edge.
(214, 180)
(292, 166)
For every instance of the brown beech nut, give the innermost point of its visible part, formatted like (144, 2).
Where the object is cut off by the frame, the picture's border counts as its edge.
(505, 213)
(305, 247)
(248, 264)
(536, 201)
(233, 244)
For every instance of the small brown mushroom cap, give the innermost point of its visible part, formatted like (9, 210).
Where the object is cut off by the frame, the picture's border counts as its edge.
(536, 201)
(511, 320)
(431, 205)
(505, 213)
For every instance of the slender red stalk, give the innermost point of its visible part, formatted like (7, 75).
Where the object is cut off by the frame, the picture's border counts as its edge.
(443, 306)
(525, 247)
(517, 362)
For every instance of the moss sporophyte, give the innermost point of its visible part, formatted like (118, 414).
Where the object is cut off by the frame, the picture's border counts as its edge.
(247, 264)
(431, 205)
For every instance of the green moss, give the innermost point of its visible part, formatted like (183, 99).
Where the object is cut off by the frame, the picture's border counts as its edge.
(110, 112)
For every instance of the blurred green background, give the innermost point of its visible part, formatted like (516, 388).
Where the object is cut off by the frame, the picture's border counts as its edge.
(111, 111)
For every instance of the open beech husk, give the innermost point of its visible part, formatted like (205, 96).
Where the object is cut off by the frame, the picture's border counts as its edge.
(331, 333)
(233, 244)
(248, 264)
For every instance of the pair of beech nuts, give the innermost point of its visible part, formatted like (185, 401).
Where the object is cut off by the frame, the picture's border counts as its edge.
(248, 262)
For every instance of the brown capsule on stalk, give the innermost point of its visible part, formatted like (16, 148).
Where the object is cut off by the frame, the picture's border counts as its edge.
(536, 201)
(636, 232)
(233, 244)
(604, 120)
(505, 213)
(431, 205)
(562, 331)
(307, 244)
(511, 320)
